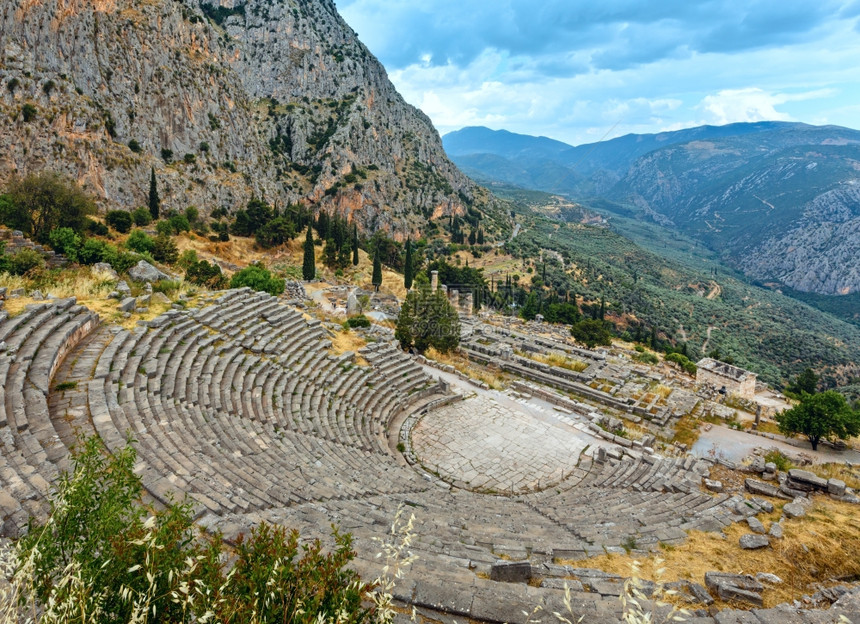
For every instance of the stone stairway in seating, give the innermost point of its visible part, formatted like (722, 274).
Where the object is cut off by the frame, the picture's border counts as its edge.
(242, 406)
(31, 450)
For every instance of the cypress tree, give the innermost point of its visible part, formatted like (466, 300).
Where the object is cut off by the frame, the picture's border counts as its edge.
(602, 307)
(376, 279)
(354, 244)
(408, 271)
(309, 268)
(154, 199)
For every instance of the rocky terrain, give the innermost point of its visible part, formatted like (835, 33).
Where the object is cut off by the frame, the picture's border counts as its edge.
(251, 98)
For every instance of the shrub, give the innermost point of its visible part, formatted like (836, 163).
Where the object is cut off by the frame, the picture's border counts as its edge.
(93, 250)
(28, 112)
(187, 259)
(120, 220)
(189, 159)
(179, 223)
(140, 241)
(166, 154)
(65, 241)
(358, 321)
(206, 274)
(134, 146)
(164, 249)
(164, 228)
(777, 457)
(24, 260)
(258, 278)
(141, 216)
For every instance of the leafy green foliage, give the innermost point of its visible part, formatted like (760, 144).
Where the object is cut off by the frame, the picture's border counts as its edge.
(42, 202)
(258, 278)
(164, 249)
(780, 459)
(141, 216)
(683, 362)
(140, 242)
(805, 383)
(275, 232)
(66, 241)
(427, 319)
(358, 320)
(821, 416)
(591, 332)
(103, 556)
(205, 274)
(120, 220)
(25, 260)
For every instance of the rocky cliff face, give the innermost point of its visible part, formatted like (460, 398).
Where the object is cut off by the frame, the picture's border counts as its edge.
(271, 98)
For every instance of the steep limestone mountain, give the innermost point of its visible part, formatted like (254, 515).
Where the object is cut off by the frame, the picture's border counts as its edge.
(777, 200)
(271, 98)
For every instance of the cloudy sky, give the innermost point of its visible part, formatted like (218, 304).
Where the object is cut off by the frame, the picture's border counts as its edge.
(582, 70)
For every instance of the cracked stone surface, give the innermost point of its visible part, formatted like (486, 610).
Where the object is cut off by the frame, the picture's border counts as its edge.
(484, 444)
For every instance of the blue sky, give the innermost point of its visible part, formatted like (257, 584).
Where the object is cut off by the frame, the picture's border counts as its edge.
(579, 70)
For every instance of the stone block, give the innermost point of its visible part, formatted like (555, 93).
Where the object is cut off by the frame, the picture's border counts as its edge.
(755, 525)
(767, 577)
(714, 486)
(743, 581)
(793, 510)
(560, 583)
(511, 571)
(761, 488)
(776, 530)
(805, 480)
(753, 541)
(836, 487)
(128, 304)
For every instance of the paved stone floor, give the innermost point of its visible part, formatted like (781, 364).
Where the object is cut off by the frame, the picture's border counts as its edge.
(494, 445)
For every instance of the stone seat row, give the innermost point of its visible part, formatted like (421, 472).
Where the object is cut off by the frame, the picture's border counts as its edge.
(241, 431)
(32, 452)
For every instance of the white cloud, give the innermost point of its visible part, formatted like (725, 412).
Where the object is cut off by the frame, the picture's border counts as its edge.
(738, 105)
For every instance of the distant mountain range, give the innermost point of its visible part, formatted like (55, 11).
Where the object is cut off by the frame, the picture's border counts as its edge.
(781, 201)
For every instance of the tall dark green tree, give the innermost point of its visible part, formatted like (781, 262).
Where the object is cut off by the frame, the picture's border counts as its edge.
(602, 304)
(154, 199)
(408, 268)
(376, 279)
(805, 382)
(354, 244)
(309, 269)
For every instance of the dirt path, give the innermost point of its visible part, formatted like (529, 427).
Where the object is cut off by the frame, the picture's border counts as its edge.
(735, 445)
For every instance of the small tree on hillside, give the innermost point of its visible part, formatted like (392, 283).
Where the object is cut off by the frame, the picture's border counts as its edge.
(805, 382)
(42, 202)
(309, 269)
(408, 268)
(820, 417)
(376, 279)
(154, 199)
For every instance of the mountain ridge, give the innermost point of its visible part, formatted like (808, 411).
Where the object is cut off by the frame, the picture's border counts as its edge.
(756, 193)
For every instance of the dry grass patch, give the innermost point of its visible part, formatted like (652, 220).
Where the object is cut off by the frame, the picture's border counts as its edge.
(495, 380)
(555, 359)
(817, 549)
(344, 341)
(851, 476)
(687, 430)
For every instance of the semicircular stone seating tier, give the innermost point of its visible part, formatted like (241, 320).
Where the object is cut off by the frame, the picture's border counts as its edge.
(242, 406)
